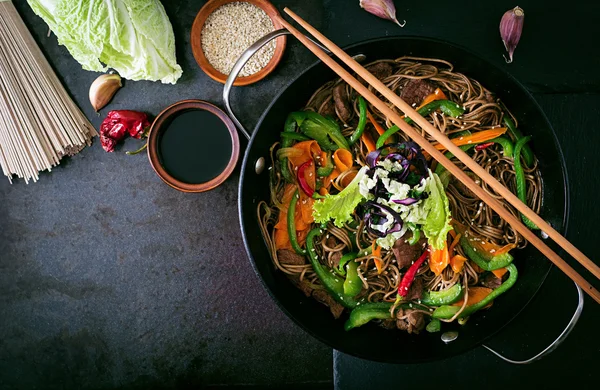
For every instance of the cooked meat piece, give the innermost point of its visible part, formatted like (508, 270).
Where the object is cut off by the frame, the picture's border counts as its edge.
(303, 285)
(289, 257)
(389, 324)
(331, 242)
(328, 109)
(415, 292)
(410, 321)
(340, 99)
(381, 70)
(490, 280)
(326, 299)
(405, 253)
(415, 91)
(335, 258)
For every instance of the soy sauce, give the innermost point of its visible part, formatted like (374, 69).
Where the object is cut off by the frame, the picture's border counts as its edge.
(195, 146)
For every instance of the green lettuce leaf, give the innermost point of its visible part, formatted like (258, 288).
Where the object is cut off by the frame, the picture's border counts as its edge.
(134, 37)
(340, 207)
(437, 223)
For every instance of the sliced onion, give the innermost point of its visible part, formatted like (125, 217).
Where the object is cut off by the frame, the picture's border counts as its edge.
(289, 152)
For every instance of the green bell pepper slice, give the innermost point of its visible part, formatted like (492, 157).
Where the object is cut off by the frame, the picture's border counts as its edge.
(446, 312)
(334, 284)
(521, 181)
(484, 260)
(446, 297)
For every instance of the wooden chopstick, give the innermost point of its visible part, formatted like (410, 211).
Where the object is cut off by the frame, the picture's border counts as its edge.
(436, 154)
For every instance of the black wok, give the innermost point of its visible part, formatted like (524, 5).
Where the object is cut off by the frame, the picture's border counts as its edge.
(370, 341)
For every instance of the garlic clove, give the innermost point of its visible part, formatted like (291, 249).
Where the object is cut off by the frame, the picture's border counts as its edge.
(384, 9)
(103, 89)
(511, 26)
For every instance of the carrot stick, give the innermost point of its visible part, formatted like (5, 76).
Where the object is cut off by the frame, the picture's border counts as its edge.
(375, 124)
(368, 141)
(477, 138)
(376, 252)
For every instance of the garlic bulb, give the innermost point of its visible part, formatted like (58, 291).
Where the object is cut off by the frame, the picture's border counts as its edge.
(385, 9)
(103, 89)
(511, 27)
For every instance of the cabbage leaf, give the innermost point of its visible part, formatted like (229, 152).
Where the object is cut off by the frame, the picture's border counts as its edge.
(340, 207)
(133, 37)
(437, 223)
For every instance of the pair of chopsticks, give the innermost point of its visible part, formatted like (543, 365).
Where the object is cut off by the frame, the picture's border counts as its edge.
(515, 222)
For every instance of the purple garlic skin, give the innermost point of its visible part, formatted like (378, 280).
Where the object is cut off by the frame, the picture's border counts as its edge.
(384, 9)
(511, 27)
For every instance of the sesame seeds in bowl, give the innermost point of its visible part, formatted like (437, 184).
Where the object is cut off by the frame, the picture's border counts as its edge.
(224, 29)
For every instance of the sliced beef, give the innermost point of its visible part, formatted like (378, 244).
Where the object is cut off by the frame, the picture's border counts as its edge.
(410, 320)
(303, 285)
(328, 109)
(415, 91)
(289, 257)
(381, 70)
(389, 324)
(342, 105)
(331, 242)
(490, 280)
(326, 299)
(405, 253)
(335, 258)
(415, 292)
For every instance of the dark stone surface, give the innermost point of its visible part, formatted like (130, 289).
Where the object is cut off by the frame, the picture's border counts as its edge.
(109, 278)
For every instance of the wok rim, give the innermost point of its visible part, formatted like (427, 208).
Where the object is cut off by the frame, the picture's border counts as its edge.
(563, 228)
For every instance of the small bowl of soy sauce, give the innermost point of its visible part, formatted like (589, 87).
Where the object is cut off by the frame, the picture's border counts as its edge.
(193, 146)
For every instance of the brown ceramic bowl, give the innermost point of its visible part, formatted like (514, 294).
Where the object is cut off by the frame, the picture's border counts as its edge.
(164, 119)
(196, 40)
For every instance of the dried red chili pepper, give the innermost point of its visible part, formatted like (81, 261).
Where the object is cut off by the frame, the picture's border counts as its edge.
(483, 146)
(409, 276)
(118, 124)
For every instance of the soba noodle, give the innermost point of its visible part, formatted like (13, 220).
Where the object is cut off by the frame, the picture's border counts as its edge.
(482, 111)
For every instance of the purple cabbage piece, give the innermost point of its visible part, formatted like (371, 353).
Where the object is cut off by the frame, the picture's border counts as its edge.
(378, 209)
(406, 201)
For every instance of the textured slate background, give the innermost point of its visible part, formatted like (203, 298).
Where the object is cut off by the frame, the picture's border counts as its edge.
(109, 278)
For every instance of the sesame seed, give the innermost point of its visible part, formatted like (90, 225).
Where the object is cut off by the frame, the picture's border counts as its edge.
(230, 30)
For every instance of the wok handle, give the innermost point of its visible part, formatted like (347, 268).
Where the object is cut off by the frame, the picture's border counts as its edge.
(562, 337)
(237, 68)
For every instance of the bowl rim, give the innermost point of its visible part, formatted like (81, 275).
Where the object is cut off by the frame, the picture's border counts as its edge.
(205, 65)
(157, 127)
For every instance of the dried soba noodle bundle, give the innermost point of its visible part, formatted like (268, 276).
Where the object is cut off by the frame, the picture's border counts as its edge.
(39, 123)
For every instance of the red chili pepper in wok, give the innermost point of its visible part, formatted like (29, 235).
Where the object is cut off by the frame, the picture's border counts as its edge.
(302, 180)
(483, 146)
(409, 276)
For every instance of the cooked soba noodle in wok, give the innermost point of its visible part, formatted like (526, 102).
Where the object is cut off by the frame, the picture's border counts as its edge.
(360, 219)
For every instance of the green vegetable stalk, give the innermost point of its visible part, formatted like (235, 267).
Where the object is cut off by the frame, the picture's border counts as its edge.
(512, 128)
(133, 37)
(521, 181)
(362, 121)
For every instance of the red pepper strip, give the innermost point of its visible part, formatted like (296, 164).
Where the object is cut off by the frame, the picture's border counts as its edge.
(302, 180)
(409, 276)
(483, 146)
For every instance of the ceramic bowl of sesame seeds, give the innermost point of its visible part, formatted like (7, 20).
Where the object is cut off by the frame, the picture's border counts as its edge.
(224, 29)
